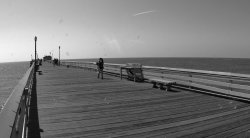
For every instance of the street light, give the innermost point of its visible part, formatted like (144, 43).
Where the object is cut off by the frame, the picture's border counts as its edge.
(59, 56)
(35, 51)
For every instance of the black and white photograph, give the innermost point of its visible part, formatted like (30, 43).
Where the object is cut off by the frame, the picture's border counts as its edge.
(124, 68)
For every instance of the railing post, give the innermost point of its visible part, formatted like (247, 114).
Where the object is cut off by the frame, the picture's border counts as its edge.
(230, 83)
(190, 80)
(27, 108)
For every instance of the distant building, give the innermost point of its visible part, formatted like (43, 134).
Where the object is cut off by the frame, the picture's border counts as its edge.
(45, 58)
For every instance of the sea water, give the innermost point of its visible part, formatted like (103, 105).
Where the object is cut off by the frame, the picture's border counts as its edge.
(234, 65)
(10, 74)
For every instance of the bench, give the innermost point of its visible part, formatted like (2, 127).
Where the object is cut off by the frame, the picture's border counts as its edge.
(134, 71)
(162, 83)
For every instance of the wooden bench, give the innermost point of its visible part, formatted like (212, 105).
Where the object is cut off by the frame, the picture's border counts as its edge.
(162, 83)
(134, 71)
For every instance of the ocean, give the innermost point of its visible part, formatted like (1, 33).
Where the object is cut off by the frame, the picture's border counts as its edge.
(235, 65)
(10, 74)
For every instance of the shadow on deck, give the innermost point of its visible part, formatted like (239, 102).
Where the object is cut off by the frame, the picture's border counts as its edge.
(33, 125)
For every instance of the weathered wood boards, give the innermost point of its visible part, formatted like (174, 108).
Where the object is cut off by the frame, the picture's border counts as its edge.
(74, 103)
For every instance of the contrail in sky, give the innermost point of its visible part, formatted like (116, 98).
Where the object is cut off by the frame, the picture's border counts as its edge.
(143, 13)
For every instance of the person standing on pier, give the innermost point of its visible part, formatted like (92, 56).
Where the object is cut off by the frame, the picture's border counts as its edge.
(100, 67)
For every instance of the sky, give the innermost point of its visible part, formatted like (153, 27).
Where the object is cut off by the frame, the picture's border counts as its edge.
(124, 28)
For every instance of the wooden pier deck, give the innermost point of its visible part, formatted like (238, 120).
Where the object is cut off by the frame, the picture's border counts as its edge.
(74, 103)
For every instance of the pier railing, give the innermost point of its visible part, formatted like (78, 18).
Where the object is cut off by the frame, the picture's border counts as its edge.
(212, 82)
(14, 115)
(219, 83)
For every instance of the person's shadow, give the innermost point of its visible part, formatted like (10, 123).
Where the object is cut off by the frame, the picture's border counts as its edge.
(33, 124)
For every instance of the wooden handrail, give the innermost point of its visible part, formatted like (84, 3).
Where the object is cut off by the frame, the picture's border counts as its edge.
(200, 71)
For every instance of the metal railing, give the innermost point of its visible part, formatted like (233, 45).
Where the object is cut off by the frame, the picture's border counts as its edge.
(218, 83)
(15, 113)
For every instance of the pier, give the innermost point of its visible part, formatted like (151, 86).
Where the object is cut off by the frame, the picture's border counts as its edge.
(70, 101)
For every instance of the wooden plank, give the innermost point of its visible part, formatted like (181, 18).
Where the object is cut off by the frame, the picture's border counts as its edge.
(105, 113)
(74, 103)
(196, 129)
(181, 123)
(171, 108)
(193, 132)
(144, 116)
(230, 130)
(242, 134)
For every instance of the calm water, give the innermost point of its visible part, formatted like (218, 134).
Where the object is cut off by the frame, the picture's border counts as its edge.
(213, 64)
(10, 74)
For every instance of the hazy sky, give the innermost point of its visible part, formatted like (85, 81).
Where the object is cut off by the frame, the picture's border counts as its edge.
(124, 28)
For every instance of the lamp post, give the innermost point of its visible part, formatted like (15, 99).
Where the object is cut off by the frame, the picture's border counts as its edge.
(35, 52)
(59, 56)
